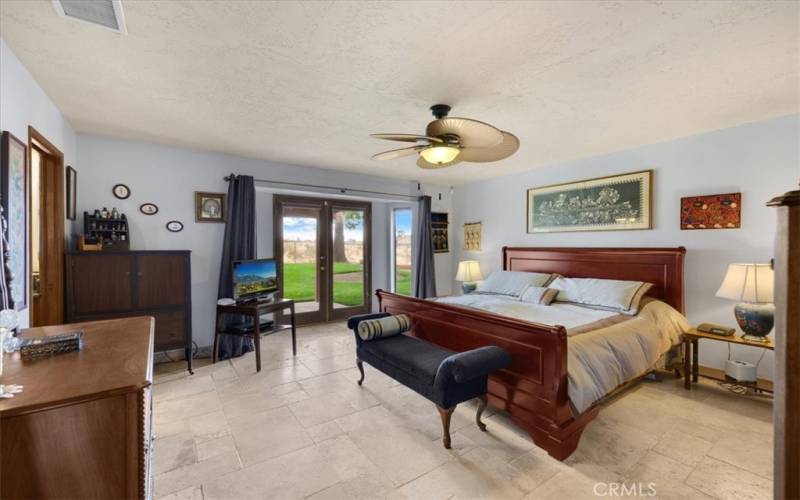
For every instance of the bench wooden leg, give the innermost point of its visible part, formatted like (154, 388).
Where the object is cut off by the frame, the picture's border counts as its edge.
(445, 414)
(481, 406)
(360, 366)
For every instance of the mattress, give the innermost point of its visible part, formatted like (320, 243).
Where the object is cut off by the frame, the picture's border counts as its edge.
(605, 349)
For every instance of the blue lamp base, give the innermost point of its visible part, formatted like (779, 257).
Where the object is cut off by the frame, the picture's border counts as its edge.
(468, 287)
(755, 320)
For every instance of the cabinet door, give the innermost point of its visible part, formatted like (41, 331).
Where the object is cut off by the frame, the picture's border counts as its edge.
(170, 331)
(100, 284)
(161, 280)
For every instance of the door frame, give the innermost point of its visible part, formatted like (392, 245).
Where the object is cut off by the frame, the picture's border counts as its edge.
(51, 232)
(324, 273)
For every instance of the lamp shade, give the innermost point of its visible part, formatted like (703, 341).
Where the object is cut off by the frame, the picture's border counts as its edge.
(469, 270)
(439, 155)
(748, 283)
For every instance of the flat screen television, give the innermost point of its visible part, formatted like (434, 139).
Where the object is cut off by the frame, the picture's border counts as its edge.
(254, 279)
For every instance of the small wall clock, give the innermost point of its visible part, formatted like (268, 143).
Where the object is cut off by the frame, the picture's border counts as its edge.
(148, 208)
(121, 191)
(175, 226)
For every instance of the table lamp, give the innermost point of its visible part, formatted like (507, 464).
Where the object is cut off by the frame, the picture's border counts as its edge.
(469, 271)
(752, 285)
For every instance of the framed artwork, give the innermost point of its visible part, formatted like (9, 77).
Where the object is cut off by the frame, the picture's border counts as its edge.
(209, 207)
(716, 211)
(148, 208)
(121, 191)
(174, 226)
(472, 236)
(14, 190)
(439, 225)
(613, 203)
(72, 191)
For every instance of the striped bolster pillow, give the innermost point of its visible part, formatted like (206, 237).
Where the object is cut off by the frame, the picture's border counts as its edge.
(372, 329)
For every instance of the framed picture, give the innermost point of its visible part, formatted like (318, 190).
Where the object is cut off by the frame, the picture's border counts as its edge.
(209, 207)
(614, 203)
(472, 236)
(14, 189)
(148, 208)
(72, 191)
(716, 211)
(174, 226)
(121, 191)
(439, 232)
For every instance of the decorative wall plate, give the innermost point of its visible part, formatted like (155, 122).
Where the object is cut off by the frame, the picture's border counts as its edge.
(148, 208)
(175, 226)
(121, 191)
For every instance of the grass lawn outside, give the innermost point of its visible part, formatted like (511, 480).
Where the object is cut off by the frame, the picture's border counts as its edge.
(299, 283)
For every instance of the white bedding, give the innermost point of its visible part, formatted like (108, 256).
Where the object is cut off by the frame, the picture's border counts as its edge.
(599, 359)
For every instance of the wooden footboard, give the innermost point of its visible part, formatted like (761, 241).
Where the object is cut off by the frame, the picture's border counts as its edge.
(533, 389)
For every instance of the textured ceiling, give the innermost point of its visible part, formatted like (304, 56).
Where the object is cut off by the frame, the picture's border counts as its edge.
(306, 82)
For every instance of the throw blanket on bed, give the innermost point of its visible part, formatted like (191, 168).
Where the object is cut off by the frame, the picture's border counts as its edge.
(605, 349)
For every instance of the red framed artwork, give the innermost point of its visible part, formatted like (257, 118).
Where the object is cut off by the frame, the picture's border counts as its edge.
(716, 211)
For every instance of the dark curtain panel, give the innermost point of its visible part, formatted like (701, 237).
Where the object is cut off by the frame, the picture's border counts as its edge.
(239, 244)
(424, 276)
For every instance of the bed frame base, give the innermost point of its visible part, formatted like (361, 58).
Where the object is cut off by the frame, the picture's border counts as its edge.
(533, 389)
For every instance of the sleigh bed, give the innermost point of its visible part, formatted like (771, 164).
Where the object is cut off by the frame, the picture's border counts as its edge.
(533, 390)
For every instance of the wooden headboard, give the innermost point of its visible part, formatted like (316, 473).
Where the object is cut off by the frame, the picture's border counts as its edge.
(663, 267)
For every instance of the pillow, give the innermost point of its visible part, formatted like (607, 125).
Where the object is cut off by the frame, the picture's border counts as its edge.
(538, 295)
(371, 329)
(611, 295)
(512, 282)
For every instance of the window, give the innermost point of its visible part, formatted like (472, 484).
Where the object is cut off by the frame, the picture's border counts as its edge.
(401, 251)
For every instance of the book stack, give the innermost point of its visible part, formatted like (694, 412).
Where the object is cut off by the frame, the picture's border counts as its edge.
(43, 347)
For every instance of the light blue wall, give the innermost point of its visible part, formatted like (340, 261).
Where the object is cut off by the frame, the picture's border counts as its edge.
(24, 103)
(760, 160)
(169, 176)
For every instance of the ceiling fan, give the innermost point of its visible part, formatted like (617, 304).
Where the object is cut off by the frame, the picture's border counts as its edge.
(448, 141)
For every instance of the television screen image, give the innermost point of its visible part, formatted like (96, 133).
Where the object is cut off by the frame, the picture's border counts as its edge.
(254, 278)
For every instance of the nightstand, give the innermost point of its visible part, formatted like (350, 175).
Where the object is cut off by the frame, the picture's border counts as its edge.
(692, 369)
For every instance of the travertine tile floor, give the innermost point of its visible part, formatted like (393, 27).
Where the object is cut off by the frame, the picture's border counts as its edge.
(302, 428)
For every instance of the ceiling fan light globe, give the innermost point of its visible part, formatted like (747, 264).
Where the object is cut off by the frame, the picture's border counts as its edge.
(439, 155)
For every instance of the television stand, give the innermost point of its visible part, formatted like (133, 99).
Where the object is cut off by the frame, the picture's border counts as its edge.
(254, 310)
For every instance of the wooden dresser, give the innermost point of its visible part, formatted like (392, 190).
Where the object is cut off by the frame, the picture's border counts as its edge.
(81, 427)
(116, 284)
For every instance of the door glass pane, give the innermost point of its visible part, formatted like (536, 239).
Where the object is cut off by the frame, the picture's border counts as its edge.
(300, 257)
(347, 234)
(402, 250)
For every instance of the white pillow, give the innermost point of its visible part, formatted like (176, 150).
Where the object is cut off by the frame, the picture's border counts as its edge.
(538, 295)
(613, 295)
(512, 282)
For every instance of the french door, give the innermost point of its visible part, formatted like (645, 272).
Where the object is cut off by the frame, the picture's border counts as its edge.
(323, 248)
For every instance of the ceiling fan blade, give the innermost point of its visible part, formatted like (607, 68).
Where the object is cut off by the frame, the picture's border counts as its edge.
(405, 137)
(471, 133)
(421, 163)
(398, 153)
(506, 148)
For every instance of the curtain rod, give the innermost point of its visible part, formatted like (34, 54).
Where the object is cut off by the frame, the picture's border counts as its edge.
(341, 190)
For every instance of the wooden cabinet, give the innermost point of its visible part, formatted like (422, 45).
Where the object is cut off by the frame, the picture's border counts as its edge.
(82, 426)
(107, 284)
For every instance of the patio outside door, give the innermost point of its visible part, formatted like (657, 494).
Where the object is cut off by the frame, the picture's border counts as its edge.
(324, 254)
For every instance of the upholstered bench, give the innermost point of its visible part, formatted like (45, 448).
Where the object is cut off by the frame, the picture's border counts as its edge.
(445, 377)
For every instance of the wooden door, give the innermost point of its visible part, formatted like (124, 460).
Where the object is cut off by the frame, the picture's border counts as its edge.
(349, 259)
(101, 284)
(300, 232)
(47, 297)
(324, 256)
(161, 280)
